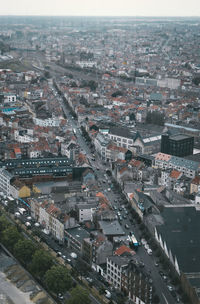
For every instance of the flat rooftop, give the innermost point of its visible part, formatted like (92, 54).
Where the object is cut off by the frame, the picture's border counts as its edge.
(179, 137)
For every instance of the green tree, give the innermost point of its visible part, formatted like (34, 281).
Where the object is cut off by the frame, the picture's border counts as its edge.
(10, 237)
(155, 118)
(79, 296)
(41, 262)
(4, 223)
(132, 116)
(58, 279)
(24, 250)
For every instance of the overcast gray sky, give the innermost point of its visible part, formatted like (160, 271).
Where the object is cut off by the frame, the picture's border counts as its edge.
(101, 7)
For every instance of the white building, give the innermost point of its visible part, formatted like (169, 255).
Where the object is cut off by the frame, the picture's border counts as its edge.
(5, 178)
(115, 266)
(48, 122)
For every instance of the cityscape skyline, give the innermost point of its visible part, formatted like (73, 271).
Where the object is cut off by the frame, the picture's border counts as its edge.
(150, 8)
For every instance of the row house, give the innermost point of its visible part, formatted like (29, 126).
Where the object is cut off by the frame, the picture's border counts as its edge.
(5, 179)
(136, 283)
(195, 185)
(25, 136)
(50, 217)
(115, 267)
(188, 167)
(122, 137)
(48, 122)
(96, 250)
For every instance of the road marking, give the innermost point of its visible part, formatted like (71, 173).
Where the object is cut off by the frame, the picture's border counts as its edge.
(165, 299)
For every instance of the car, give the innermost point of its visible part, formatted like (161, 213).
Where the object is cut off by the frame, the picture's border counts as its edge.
(64, 257)
(156, 264)
(118, 213)
(120, 208)
(177, 299)
(28, 225)
(59, 254)
(73, 255)
(143, 241)
(127, 226)
(146, 246)
(120, 218)
(149, 251)
(60, 296)
(170, 287)
(90, 280)
(109, 189)
(125, 216)
(68, 261)
(107, 294)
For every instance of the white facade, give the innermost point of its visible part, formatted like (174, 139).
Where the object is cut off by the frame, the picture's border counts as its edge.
(49, 122)
(114, 273)
(25, 138)
(197, 198)
(35, 154)
(9, 98)
(5, 178)
(51, 223)
(121, 141)
(86, 214)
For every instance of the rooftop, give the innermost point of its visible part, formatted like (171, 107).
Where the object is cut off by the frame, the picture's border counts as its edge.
(181, 232)
(111, 228)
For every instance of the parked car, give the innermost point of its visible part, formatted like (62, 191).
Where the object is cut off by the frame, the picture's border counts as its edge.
(149, 251)
(73, 255)
(107, 294)
(143, 241)
(170, 287)
(127, 226)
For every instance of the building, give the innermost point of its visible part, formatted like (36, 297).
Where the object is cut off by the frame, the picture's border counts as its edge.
(75, 237)
(96, 250)
(115, 266)
(5, 178)
(178, 236)
(188, 167)
(85, 210)
(136, 283)
(177, 145)
(50, 217)
(122, 137)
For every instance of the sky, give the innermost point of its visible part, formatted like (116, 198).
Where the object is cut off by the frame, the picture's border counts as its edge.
(101, 7)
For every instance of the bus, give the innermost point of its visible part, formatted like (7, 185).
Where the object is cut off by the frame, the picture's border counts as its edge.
(133, 241)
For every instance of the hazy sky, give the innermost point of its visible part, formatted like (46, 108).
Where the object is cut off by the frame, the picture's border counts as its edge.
(101, 7)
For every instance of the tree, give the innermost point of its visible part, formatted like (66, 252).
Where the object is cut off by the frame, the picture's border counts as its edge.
(117, 93)
(132, 116)
(41, 262)
(3, 223)
(10, 237)
(24, 250)
(155, 118)
(58, 279)
(79, 296)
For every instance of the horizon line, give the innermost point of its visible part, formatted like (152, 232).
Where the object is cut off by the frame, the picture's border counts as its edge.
(131, 16)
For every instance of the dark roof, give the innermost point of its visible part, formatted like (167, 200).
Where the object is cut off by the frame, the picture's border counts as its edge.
(178, 137)
(123, 132)
(181, 232)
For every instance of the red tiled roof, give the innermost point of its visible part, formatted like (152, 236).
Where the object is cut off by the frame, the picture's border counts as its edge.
(196, 180)
(124, 249)
(175, 174)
